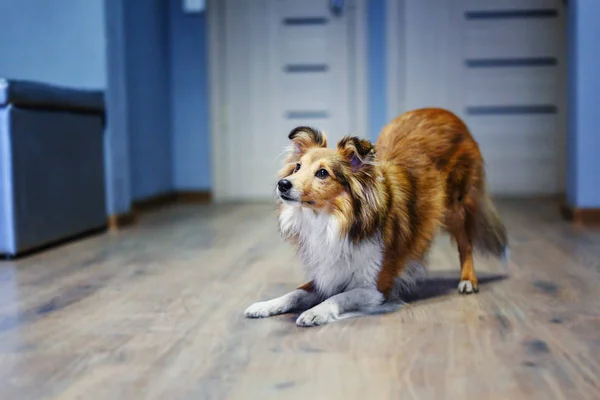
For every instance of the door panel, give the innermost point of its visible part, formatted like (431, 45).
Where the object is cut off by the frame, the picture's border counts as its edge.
(511, 86)
(311, 67)
(286, 64)
(508, 5)
(531, 37)
(500, 65)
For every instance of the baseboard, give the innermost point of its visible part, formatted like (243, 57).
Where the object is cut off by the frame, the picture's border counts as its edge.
(155, 202)
(193, 197)
(120, 221)
(170, 198)
(580, 216)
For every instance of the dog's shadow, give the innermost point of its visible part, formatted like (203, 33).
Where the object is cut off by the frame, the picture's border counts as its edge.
(442, 284)
(435, 285)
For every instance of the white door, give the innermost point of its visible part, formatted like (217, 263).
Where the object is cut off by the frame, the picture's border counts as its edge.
(285, 63)
(499, 64)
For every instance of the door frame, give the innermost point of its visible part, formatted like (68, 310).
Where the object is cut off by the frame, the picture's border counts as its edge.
(218, 111)
(395, 49)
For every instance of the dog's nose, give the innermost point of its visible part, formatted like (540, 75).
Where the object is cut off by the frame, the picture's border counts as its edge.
(284, 185)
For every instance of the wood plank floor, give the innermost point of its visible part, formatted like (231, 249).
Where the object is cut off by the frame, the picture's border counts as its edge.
(156, 312)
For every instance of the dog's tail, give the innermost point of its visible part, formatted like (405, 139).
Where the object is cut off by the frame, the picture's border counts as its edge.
(490, 236)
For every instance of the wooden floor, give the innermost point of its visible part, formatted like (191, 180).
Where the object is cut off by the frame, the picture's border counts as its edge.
(155, 312)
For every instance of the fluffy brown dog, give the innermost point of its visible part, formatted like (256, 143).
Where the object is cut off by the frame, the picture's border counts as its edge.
(360, 215)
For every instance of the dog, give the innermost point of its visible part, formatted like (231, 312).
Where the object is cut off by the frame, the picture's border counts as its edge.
(361, 216)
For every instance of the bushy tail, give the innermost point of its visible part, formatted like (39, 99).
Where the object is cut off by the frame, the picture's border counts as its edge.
(490, 234)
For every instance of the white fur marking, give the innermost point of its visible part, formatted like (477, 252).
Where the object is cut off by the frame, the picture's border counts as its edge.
(331, 261)
(263, 309)
(268, 308)
(465, 287)
(319, 315)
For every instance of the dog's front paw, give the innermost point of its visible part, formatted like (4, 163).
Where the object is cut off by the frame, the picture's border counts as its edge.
(263, 309)
(319, 315)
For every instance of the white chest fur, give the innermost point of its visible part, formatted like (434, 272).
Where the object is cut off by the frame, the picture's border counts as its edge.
(331, 261)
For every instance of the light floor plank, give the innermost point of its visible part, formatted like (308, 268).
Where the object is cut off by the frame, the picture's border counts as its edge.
(155, 312)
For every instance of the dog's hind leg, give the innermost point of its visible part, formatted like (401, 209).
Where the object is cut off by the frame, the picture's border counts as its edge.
(462, 232)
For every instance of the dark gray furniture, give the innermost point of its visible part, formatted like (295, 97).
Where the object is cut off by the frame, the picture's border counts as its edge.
(52, 184)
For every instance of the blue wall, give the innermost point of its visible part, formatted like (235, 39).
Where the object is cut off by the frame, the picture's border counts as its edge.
(190, 101)
(167, 98)
(60, 42)
(583, 175)
(65, 43)
(116, 138)
(148, 97)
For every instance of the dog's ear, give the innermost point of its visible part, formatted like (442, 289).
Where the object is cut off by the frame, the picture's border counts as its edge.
(304, 137)
(357, 152)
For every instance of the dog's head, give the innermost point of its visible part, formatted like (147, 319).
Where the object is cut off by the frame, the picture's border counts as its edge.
(319, 177)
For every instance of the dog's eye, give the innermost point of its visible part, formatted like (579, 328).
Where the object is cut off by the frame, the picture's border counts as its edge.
(297, 167)
(322, 174)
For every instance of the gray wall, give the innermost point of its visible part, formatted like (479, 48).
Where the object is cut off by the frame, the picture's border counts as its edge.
(60, 42)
